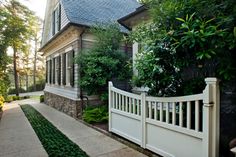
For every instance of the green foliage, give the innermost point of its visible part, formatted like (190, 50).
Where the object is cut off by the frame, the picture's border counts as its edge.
(41, 98)
(104, 61)
(54, 141)
(96, 114)
(9, 99)
(16, 26)
(183, 34)
(2, 100)
(13, 91)
(14, 98)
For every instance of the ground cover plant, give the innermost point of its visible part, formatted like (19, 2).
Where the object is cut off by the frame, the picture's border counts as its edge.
(96, 114)
(55, 143)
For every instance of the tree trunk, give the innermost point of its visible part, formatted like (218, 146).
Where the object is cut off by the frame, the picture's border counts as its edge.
(15, 71)
(27, 82)
(35, 62)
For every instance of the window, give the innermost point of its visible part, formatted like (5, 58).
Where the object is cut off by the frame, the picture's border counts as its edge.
(59, 70)
(50, 71)
(71, 67)
(56, 20)
(53, 70)
(46, 71)
(64, 69)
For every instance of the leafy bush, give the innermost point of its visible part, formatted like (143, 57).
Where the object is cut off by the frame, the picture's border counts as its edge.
(1, 102)
(52, 139)
(9, 99)
(39, 87)
(104, 61)
(13, 90)
(41, 98)
(14, 98)
(96, 114)
(196, 34)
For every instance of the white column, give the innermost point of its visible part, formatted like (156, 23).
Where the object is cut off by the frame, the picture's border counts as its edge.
(143, 119)
(110, 100)
(135, 52)
(211, 118)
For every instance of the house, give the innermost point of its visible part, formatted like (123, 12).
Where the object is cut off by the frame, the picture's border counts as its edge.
(65, 34)
(131, 21)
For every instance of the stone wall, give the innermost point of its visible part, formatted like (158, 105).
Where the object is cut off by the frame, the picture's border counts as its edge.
(70, 107)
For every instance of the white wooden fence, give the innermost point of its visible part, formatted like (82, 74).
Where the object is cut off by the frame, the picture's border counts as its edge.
(186, 126)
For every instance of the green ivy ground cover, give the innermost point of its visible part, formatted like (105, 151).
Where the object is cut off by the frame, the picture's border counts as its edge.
(54, 141)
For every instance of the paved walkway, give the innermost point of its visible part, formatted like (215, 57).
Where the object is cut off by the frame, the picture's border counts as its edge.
(17, 137)
(38, 93)
(94, 143)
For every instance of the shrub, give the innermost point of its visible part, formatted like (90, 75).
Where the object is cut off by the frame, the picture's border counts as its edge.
(9, 99)
(13, 90)
(96, 114)
(41, 98)
(39, 87)
(1, 102)
(15, 98)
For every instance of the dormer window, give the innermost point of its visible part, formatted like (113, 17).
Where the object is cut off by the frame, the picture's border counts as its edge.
(56, 20)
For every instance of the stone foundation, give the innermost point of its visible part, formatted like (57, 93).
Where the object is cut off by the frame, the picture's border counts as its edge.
(70, 107)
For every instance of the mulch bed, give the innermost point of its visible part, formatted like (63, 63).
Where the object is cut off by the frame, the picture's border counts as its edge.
(103, 126)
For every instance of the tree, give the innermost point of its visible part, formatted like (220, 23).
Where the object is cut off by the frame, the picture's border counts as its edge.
(36, 40)
(4, 59)
(16, 29)
(194, 34)
(104, 61)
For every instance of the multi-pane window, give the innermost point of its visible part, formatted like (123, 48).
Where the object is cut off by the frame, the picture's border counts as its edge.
(58, 69)
(64, 69)
(71, 67)
(50, 71)
(46, 71)
(53, 70)
(56, 20)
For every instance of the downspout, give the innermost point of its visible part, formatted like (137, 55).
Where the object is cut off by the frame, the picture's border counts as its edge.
(81, 96)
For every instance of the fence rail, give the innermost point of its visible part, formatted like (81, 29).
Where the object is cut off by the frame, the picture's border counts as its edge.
(170, 126)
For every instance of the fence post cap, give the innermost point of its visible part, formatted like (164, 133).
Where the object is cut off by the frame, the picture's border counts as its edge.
(211, 80)
(110, 83)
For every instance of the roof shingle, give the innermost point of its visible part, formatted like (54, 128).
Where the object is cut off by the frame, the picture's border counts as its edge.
(91, 12)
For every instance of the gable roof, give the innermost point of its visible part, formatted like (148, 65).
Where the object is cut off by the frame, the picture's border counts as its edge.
(91, 12)
(139, 10)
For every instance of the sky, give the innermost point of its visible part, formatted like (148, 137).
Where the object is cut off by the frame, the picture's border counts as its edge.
(38, 6)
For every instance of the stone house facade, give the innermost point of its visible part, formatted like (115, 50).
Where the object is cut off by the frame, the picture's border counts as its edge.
(65, 34)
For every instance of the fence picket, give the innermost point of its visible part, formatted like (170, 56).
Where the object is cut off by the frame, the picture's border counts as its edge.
(149, 110)
(173, 113)
(126, 104)
(167, 112)
(189, 115)
(181, 114)
(197, 115)
(161, 112)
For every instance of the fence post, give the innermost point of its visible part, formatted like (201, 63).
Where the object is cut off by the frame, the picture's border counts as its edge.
(143, 119)
(110, 100)
(211, 118)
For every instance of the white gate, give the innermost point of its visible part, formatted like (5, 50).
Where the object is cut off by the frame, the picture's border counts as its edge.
(186, 126)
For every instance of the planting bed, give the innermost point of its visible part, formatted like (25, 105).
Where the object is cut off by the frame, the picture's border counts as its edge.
(52, 139)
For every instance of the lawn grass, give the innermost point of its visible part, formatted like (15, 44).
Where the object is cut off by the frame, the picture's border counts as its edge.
(35, 97)
(53, 140)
